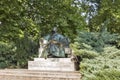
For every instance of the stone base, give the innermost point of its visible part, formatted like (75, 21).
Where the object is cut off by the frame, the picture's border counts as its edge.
(51, 64)
(24, 74)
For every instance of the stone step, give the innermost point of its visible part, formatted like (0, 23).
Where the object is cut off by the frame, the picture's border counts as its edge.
(23, 74)
(29, 71)
(11, 71)
(53, 64)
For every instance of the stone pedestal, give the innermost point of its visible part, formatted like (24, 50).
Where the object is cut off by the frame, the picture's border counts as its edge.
(51, 64)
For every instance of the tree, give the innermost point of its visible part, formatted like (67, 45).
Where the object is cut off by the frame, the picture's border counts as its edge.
(108, 11)
(22, 23)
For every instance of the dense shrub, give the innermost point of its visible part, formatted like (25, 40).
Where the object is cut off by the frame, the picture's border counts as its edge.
(26, 50)
(106, 75)
(7, 54)
(100, 55)
(102, 64)
(86, 54)
(17, 54)
(96, 41)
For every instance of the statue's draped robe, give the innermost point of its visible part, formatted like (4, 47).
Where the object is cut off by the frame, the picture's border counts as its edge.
(57, 44)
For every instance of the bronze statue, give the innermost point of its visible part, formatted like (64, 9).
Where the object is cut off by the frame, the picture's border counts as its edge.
(54, 45)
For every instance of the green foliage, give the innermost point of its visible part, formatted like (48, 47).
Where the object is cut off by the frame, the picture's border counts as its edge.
(23, 22)
(7, 52)
(16, 54)
(83, 53)
(47, 14)
(99, 53)
(108, 10)
(114, 53)
(107, 75)
(104, 66)
(28, 48)
(96, 41)
(90, 39)
(86, 54)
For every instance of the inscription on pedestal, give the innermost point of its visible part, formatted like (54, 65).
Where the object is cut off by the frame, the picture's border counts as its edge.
(52, 64)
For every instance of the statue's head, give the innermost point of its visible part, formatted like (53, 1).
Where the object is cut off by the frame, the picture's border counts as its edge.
(54, 30)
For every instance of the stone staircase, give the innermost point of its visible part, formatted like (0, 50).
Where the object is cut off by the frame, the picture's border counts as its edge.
(44, 69)
(24, 74)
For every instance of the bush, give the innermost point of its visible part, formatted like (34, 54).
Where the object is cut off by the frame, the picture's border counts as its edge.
(100, 57)
(86, 54)
(112, 52)
(106, 63)
(17, 54)
(7, 54)
(106, 75)
(96, 40)
(2, 65)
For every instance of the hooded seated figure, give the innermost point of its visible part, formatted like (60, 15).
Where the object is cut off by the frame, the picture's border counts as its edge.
(56, 45)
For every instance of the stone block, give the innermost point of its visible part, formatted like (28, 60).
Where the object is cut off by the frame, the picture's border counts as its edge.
(51, 64)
